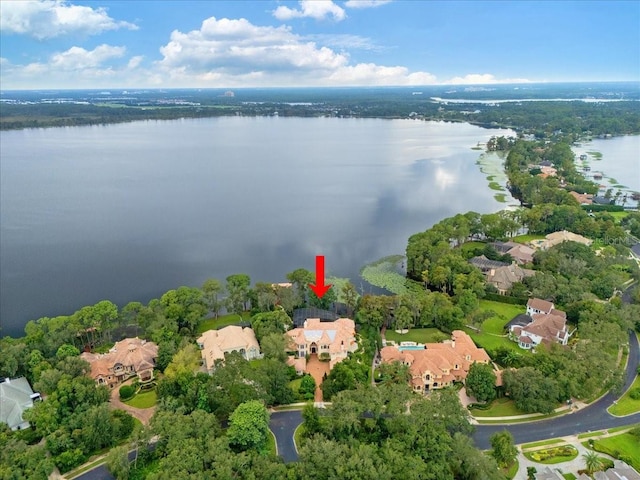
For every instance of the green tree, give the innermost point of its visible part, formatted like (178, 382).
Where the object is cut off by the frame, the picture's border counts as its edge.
(67, 350)
(238, 290)
(481, 382)
(211, 291)
(301, 278)
(118, 462)
(185, 306)
(307, 387)
(349, 295)
(275, 345)
(503, 449)
(185, 362)
(266, 323)
(593, 462)
(249, 426)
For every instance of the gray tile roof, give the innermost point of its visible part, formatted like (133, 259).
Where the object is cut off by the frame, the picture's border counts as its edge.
(15, 397)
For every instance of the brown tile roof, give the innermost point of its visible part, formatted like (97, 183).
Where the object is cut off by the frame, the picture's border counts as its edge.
(538, 304)
(546, 326)
(130, 352)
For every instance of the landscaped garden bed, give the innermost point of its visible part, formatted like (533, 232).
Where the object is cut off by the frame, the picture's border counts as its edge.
(553, 455)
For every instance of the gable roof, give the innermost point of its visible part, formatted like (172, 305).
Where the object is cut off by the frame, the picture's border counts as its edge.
(15, 397)
(539, 304)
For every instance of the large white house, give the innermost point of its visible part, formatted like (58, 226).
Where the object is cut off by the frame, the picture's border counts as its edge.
(15, 397)
(546, 325)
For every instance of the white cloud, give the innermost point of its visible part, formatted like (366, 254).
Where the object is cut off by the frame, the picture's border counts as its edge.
(317, 9)
(226, 52)
(371, 74)
(483, 78)
(102, 67)
(53, 18)
(77, 58)
(365, 3)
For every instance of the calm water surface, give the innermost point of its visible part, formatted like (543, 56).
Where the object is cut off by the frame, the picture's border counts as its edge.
(620, 163)
(126, 212)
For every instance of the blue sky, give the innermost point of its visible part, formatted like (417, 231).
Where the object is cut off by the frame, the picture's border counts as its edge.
(226, 44)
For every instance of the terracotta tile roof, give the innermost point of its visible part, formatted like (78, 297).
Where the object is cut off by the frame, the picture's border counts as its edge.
(130, 352)
(439, 359)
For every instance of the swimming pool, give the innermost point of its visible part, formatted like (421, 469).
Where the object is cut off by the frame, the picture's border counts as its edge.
(410, 347)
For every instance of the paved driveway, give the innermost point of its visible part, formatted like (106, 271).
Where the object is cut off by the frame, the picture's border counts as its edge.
(283, 424)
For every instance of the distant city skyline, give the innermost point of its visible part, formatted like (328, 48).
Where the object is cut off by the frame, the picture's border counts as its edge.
(52, 44)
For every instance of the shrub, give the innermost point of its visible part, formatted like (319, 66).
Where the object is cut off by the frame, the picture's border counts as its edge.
(126, 392)
(635, 393)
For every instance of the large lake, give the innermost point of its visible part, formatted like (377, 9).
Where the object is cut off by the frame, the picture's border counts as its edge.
(126, 212)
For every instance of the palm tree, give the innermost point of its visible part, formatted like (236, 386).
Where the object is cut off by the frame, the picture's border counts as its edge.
(593, 462)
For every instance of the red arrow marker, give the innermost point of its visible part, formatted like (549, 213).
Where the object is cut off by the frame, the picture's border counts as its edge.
(319, 288)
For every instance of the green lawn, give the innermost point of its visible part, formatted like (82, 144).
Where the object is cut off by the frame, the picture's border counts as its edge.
(490, 337)
(591, 434)
(618, 215)
(624, 445)
(473, 247)
(527, 238)
(500, 407)
(222, 321)
(419, 335)
(569, 476)
(143, 399)
(491, 342)
(627, 405)
(510, 473)
(271, 444)
(504, 313)
(624, 427)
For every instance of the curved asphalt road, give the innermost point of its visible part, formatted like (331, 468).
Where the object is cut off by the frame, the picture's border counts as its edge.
(591, 418)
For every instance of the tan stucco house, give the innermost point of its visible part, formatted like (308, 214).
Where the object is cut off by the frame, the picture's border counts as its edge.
(214, 344)
(330, 340)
